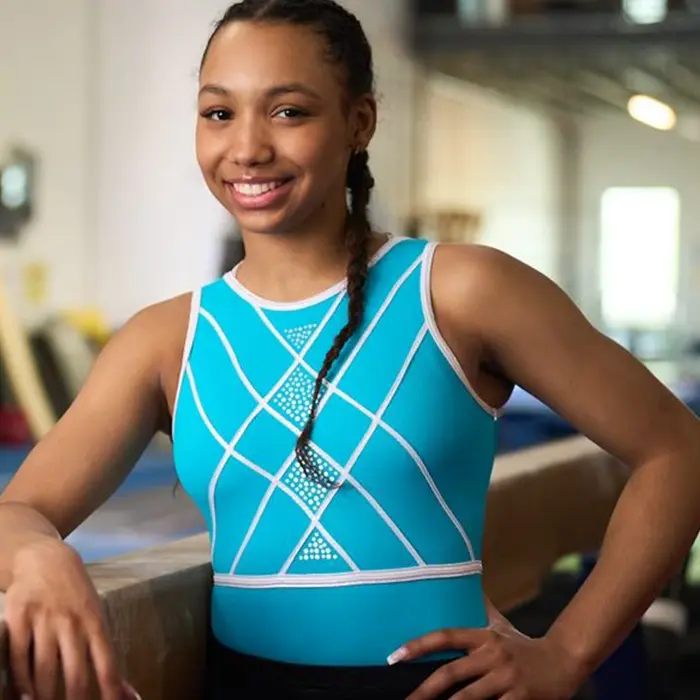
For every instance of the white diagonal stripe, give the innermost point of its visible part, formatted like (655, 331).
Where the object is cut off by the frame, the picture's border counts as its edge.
(274, 483)
(230, 452)
(359, 450)
(373, 323)
(262, 402)
(322, 453)
(431, 483)
(385, 426)
(324, 399)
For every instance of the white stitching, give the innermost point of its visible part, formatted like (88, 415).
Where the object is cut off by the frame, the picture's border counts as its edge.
(358, 452)
(387, 428)
(229, 452)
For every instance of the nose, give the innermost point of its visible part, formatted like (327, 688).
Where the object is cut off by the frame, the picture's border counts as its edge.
(250, 143)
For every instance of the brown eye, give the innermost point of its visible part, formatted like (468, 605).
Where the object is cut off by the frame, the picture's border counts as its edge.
(291, 113)
(217, 115)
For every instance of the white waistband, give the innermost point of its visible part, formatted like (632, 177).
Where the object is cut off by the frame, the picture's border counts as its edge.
(350, 578)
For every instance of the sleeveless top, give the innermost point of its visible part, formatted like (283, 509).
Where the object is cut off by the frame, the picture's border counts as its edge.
(308, 575)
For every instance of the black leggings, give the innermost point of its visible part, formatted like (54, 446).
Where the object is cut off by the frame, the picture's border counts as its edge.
(235, 676)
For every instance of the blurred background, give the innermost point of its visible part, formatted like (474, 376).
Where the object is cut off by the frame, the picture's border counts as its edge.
(565, 132)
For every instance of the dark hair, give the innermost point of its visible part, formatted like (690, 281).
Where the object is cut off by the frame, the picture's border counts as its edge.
(347, 48)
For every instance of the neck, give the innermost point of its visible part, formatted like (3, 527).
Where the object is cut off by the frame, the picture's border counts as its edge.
(282, 258)
(297, 265)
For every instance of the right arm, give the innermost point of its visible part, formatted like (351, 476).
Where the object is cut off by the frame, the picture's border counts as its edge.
(50, 600)
(90, 451)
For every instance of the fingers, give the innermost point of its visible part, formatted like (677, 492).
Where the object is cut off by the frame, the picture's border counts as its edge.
(452, 675)
(74, 658)
(444, 640)
(20, 636)
(131, 693)
(490, 671)
(46, 659)
(109, 679)
(43, 647)
(493, 685)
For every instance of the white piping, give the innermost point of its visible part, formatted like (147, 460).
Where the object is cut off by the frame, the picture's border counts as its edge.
(403, 575)
(360, 449)
(429, 313)
(230, 452)
(346, 365)
(286, 423)
(382, 424)
(195, 302)
(233, 282)
(262, 401)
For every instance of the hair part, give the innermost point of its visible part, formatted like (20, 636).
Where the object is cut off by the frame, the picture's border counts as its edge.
(347, 48)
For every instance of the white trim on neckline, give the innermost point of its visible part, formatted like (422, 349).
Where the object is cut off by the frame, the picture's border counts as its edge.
(232, 280)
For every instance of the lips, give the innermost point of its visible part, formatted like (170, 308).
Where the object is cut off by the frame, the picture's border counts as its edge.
(258, 194)
(255, 189)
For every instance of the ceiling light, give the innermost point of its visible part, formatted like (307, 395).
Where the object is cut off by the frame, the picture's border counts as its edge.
(651, 112)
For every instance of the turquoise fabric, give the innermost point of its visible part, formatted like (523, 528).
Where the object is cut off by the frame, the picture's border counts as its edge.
(344, 576)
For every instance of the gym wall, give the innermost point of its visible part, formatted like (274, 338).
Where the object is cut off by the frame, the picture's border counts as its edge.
(124, 219)
(47, 63)
(617, 152)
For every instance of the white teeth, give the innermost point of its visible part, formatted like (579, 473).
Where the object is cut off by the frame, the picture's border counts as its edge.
(256, 189)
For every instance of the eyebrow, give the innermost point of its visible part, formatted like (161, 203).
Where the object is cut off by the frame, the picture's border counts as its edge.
(276, 91)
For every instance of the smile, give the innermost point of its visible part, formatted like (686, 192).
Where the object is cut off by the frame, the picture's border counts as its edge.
(259, 195)
(256, 189)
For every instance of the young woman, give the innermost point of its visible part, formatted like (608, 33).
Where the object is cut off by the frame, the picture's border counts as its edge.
(333, 405)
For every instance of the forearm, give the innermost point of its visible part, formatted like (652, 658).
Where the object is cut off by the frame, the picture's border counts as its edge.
(20, 526)
(651, 531)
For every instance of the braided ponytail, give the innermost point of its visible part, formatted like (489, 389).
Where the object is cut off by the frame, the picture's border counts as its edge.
(360, 184)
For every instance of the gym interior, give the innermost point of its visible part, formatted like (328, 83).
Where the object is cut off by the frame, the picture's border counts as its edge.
(563, 132)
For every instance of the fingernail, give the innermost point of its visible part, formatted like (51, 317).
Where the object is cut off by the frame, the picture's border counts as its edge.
(26, 697)
(399, 655)
(132, 691)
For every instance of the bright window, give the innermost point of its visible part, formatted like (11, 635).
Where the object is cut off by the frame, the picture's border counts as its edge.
(639, 256)
(645, 11)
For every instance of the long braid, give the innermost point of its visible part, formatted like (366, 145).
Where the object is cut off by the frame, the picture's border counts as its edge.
(360, 183)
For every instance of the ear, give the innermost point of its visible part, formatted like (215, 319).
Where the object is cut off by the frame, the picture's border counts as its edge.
(363, 121)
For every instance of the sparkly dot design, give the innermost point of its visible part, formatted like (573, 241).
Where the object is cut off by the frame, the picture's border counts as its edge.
(298, 336)
(317, 549)
(294, 398)
(312, 493)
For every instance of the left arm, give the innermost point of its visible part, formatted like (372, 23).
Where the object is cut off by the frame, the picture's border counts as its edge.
(537, 338)
(544, 343)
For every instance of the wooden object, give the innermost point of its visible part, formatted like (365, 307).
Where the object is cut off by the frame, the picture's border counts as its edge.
(544, 502)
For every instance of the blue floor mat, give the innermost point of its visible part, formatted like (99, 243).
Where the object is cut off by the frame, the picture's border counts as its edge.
(94, 547)
(154, 469)
(95, 540)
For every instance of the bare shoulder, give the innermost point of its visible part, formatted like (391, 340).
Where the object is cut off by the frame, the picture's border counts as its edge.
(163, 320)
(154, 330)
(168, 314)
(468, 267)
(533, 334)
(482, 286)
(163, 328)
(173, 318)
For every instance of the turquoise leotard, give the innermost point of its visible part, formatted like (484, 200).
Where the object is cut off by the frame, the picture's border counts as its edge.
(339, 577)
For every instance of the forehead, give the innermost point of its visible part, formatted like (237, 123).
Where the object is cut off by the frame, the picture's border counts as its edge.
(254, 56)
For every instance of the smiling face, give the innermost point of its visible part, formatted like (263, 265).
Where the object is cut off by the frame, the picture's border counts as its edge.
(276, 128)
